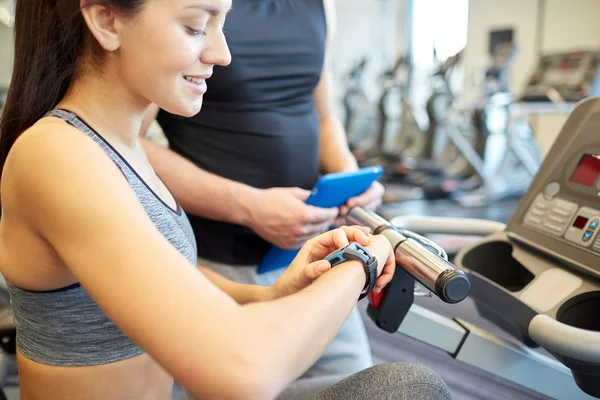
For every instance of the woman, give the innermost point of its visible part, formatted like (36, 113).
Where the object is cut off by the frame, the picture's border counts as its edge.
(97, 254)
(266, 131)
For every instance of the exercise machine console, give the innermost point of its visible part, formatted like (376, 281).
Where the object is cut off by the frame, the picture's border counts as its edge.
(539, 279)
(564, 77)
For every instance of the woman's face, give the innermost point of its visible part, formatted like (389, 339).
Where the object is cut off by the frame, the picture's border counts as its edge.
(168, 51)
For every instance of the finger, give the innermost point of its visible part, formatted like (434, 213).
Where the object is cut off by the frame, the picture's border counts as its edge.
(313, 231)
(318, 268)
(374, 204)
(333, 240)
(299, 193)
(319, 214)
(313, 270)
(344, 210)
(367, 197)
(365, 229)
(382, 282)
(356, 234)
(316, 229)
(340, 237)
(341, 221)
(301, 241)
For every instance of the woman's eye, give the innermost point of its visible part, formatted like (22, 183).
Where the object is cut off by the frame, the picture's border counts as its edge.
(194, 32)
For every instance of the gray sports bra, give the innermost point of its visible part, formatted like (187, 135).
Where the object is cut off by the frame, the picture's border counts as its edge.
(65, 326)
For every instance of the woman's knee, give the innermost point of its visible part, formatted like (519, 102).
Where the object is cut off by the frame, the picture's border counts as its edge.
(410, 381)
(402, 381)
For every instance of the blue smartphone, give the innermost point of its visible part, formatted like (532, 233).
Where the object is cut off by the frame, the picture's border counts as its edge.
(331, 190)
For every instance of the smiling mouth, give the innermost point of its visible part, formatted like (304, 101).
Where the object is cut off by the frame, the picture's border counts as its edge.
(194, 80)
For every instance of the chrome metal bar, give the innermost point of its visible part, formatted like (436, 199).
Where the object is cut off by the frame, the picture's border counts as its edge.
(419, 259)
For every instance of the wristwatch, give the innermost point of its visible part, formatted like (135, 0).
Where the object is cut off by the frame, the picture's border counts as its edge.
(355, 251)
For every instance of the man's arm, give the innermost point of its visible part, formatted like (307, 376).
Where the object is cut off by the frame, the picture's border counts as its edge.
(288, 222)
(199, 192)
(335, 155)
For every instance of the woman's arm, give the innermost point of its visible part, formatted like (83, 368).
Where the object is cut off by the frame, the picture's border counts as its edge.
(241, 293)
(79, 202)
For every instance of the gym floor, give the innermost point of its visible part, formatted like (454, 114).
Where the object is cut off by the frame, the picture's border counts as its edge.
(465, 381)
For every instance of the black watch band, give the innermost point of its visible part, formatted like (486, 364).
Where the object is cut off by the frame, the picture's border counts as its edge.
(355, 251)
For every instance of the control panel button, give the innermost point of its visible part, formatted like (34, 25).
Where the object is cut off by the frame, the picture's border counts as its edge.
(553, 227)
(564, 205)
(562, 212)
(541, 202)
(583, 227)
(552, 189)
(537, 212)
(534, 220)
(554, 218)
(551, 215)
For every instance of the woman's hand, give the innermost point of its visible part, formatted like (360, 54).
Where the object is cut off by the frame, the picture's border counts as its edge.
(309, 264)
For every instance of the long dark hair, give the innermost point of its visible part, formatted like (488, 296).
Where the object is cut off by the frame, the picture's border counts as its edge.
(51, 39)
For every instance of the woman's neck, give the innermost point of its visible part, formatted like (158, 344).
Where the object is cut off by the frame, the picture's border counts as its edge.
(108, 107)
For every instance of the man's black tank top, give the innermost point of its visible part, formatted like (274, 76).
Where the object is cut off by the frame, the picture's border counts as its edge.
(258, 123)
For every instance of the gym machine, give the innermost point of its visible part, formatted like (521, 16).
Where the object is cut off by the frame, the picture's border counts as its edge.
(359, 112)
(506, 155)
(564, 77)
(396, 121)
(538, 278)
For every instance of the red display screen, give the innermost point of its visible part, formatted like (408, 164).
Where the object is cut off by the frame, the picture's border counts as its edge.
(587, 170)
(580, 222)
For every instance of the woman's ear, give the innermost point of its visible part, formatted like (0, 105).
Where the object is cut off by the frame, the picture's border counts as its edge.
(102, 23)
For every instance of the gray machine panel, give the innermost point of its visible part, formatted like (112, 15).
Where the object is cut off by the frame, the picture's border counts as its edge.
(560, 214)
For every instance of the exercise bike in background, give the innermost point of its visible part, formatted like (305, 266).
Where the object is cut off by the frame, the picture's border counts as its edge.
(397, 137)
(360, 115)
(509, 154)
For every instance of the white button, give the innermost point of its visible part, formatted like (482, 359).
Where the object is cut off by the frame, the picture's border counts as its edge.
(552, 189)
(535, 211)
(565, 205)
(533, 220)
(562, 212)
(541, 204)
(552, 227)
(557, 219)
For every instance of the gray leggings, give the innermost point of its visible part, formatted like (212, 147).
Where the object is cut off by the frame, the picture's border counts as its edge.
(404, 381)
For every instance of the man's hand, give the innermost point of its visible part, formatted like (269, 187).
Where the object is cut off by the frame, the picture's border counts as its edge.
(371, 199)
(281, 217)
